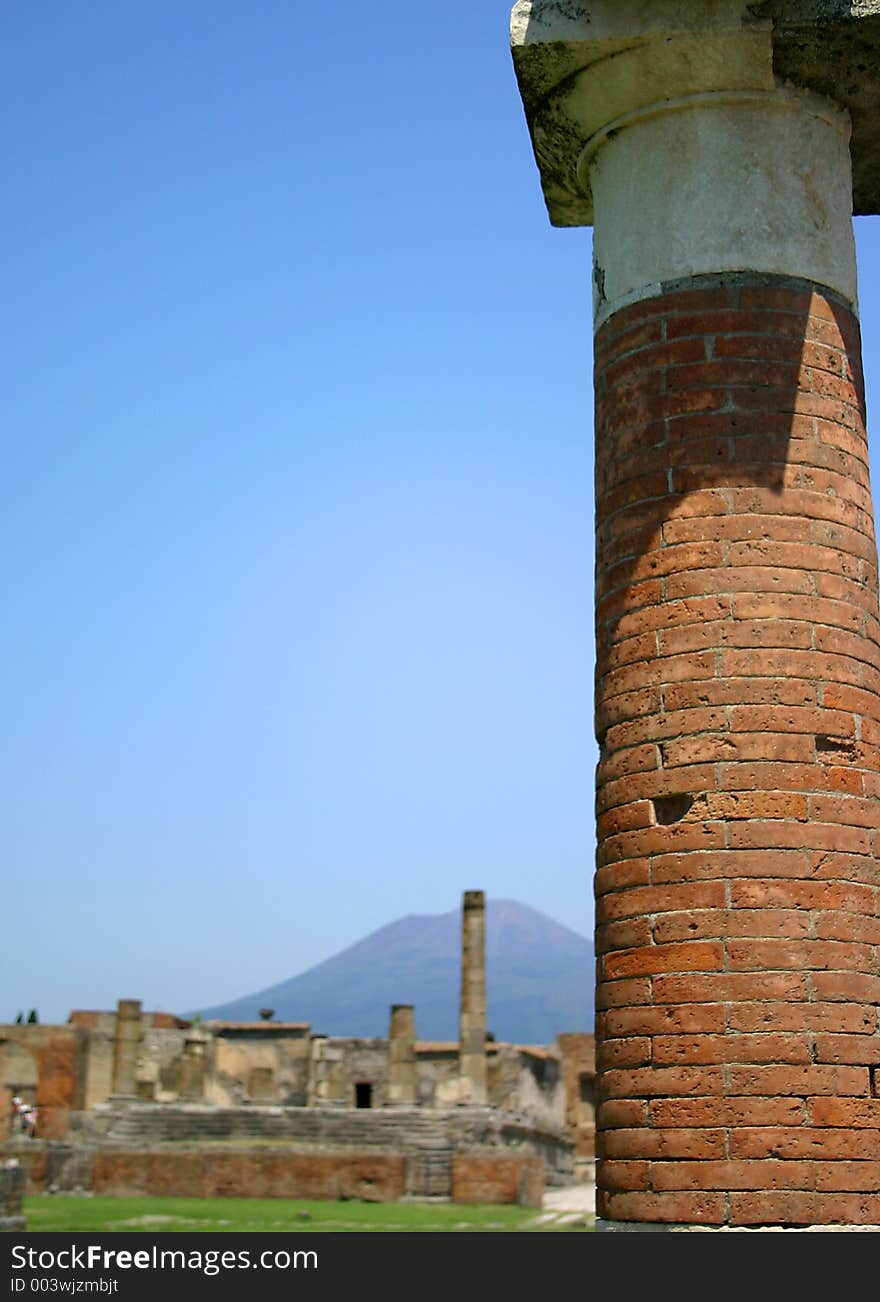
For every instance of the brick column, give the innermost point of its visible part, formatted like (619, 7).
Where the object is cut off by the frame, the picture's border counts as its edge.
(125, 1048)
(737, 636)
(473, 1068)
(402, 1078)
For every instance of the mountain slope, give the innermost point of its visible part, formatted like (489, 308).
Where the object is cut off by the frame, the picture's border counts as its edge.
(539, 980)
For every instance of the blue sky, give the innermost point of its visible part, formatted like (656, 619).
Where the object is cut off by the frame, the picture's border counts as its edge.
(297, 523)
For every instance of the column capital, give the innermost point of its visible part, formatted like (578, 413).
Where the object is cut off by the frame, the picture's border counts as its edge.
(584, 69)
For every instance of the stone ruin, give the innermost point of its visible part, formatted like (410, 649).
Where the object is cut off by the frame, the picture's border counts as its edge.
(133, 1101)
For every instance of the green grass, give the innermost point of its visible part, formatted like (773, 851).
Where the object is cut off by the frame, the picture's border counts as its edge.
(82, 1214)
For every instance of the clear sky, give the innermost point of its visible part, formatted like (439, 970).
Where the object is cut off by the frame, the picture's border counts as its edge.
(297, 508)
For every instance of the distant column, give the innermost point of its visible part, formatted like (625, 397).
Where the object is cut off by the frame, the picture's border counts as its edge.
(402, 1082)
(472, 1032)
(192, 1075)
(125, 1048)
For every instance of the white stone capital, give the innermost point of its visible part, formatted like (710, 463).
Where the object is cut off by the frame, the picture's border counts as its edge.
(701, 136)
(580, 66)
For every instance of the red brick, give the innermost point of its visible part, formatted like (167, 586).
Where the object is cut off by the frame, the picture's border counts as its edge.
(767, 1048)
(633, 1051)
(673, 868)
(854, 1175)
(782, 776)
(629, 596)
(808, 557)
(660, 899)
(721, 321)
(743, 579)
(722, 633)
(718, 923)
(729, 1175)
(740, 691)
(732, 1112)
(720, 747)
(637, 336)
(656, 562)
(663, 840)
(736, 987)
(798, 955)
(804, 1142)
(626, 1113)
(800, 1081)
(847, 926)
(623, 994)
(773, 835)
(666, 1208)
(662, 726)
(624, 1175)
(783, 718)
(762, 894)
(645, 1082)
(855, 1019)
(628, 934)
(688, 957)
(626, 705)
(849, 1113)
(756, 804)
(616, 876)
(794, 1208)
(859, 1050)
(666, 1020)
(669, 669)
(635, 759)
(849, 810)
(625, 818)
(849, 987)
(669, 615)
(685, 779)
(646, 1144)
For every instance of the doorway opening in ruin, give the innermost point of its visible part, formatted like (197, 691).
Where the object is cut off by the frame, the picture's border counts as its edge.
(363, 1094)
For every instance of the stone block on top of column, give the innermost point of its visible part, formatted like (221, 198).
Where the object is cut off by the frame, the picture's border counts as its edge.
(702, 138)
(581, 66)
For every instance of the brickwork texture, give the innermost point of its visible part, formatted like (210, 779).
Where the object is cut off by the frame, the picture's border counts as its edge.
(738, 716)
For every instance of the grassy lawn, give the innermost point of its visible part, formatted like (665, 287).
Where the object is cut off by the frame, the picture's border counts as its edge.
(72, 1214)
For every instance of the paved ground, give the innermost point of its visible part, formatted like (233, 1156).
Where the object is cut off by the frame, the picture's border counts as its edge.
(576, 1202)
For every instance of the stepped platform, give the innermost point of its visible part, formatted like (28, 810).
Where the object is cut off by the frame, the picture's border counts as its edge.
(463, 1153)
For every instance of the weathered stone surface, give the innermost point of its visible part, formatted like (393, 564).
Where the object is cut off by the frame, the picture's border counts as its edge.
(125, 1047)
(11, 1197)
(402, 1068)
(480, 1178)
(582, 66)
(472, 1037)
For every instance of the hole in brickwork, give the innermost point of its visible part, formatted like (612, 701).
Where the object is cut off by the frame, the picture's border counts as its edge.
(875, 1082)
(834, 750)
(671, 809)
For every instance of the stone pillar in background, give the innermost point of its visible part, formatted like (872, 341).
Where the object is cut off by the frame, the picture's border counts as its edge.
(125, 1048)
(402, 1078)
(472, 1033)
(738, 674)
(192, 1069)
(5, 1113)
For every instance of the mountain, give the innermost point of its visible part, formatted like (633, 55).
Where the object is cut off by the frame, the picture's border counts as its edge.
(539, 978)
